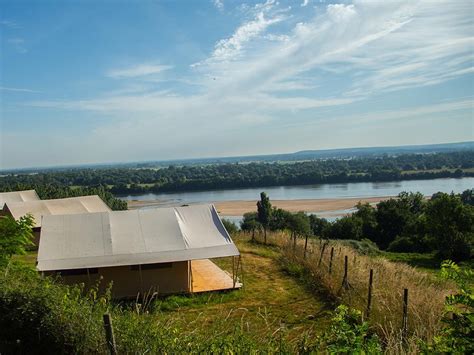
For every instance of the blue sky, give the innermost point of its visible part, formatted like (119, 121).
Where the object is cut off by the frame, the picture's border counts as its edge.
(112, 81)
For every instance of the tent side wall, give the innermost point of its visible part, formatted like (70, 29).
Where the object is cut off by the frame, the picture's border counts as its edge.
(128, 281)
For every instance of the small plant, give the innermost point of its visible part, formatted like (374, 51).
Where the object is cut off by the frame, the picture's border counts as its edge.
(348, 334)
(457, 337)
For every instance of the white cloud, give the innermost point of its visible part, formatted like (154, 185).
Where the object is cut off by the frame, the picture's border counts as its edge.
(9, 24)
(141, 70)
(18, 44)
(218, 4)
(304, 3)
(3, 88)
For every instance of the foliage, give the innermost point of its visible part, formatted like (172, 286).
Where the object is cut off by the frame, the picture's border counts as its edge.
(264, 212)
(457, 337)
(15, 236)
(250, 223)
(467, 197)
(450, 224)
(37, 314)
(230, 226)
(348, 334)
(318, 225)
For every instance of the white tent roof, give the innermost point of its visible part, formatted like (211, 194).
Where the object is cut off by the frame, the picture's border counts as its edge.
(41, 208)
(18, 196)
(133, 237)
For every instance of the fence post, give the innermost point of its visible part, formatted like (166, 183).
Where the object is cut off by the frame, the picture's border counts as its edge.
(405, 314)
(305, 245)
(330, 260)
(322, 252)
(369, 295)
(345, 283)
(109, 334)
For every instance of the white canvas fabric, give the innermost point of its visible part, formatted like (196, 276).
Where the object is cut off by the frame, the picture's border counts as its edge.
(18, 196)
(133, 237)
(62, 206)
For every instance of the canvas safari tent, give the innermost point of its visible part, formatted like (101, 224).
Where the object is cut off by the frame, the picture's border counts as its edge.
(18, 196)
(41, 208)
(164, 250)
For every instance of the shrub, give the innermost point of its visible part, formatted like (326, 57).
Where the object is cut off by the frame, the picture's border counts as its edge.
(348, 334)
(457, 337)
(230, 226)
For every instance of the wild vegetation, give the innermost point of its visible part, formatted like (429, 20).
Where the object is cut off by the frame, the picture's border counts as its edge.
(443, 224)
(255, 174)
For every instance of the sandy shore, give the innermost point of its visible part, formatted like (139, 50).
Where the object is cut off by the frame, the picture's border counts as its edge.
(238, 208)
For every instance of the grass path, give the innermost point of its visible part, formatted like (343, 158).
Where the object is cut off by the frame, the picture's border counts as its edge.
(269, 299)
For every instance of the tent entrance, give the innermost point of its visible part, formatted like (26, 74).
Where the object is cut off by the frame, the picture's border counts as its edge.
(206, 276)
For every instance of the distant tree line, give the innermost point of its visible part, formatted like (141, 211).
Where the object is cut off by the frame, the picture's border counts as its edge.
(48, 191)
(410, 223)
(245, 175)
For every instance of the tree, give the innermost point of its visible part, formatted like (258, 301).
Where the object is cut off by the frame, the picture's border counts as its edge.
(467, 197)
(230, 226)
(318, 225)
(250, 223)
(392, 218)
(280, 219)
(299, 225)
(450, 225)
(264, 212)
(15, 236)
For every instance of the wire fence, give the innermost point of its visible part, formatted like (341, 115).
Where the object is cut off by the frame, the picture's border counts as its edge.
(403, 303)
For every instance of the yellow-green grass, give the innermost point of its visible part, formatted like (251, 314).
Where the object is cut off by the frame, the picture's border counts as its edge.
(270, 300)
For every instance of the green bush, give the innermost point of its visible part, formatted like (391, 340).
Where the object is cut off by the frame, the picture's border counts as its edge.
(230, 226)
(348, 334)
(457, 337)
(39, 315)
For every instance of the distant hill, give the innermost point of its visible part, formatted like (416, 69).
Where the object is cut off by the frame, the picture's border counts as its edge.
(344, 153)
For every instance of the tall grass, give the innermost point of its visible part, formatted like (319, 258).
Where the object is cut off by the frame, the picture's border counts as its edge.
(426, 292)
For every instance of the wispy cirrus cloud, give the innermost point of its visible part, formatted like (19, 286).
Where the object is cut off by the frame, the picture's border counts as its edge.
(9, 24)
(4, 88)
(137, 71)
(18, 44)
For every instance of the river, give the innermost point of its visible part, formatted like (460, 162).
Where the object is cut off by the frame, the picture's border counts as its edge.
(323, 191)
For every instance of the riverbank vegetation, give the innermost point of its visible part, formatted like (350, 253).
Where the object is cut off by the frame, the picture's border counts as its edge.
(442, 225)
(255, 174)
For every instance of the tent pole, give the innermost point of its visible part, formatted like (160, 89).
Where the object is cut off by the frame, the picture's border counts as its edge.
(241, 269)
(233, 271)
(191, 275)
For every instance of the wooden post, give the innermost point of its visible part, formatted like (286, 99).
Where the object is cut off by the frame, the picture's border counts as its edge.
(369, 295)
(305, 246)
(345, 283)
(109, 334)
(321, 256)
(405, 314)
(330, 260)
